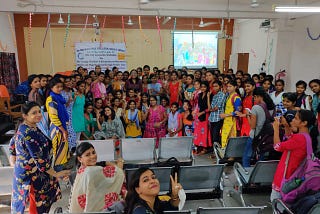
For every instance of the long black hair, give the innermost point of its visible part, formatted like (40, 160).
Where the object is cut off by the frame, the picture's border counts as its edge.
(81, 148)
(259, 91)
(132, 196)
(26, 107)
(113, 114)
(310, 118)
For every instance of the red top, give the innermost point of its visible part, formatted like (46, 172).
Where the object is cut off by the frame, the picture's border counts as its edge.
(297, 144)
(247, 103)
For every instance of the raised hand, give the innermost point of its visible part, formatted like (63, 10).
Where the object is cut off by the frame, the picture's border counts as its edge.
(175, 186)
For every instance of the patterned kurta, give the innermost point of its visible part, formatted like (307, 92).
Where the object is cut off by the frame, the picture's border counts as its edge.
(96, 188)
(155, 116)
(32, 151)
(229, 128)
(59, 147)
(72, 137)
(110, 129)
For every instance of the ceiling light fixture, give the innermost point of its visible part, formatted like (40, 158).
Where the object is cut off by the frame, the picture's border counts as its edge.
(60, 21)
(129, 21)
(296, 9)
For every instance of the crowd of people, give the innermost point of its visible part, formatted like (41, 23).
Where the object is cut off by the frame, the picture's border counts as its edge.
(144, 103)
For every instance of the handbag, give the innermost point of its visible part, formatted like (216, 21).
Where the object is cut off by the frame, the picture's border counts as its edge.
(305, 179)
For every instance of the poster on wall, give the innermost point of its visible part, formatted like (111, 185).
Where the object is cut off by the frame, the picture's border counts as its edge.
(107, 55)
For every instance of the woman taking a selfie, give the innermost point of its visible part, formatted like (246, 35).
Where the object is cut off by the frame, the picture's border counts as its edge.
(142, 196)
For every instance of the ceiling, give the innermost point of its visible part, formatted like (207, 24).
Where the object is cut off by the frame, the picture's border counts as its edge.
(176, 8)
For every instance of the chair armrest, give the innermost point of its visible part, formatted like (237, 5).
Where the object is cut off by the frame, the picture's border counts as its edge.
(279, 203)
(217, 152)
(237, 166)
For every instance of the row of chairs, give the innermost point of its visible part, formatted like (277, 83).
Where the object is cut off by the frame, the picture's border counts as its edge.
(206, 180)
(141, 151)
(213, 210)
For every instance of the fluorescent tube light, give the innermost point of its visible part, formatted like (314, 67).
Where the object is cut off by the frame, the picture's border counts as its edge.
(296, 9)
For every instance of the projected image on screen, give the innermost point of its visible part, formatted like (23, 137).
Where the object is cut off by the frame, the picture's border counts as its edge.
(195, 50)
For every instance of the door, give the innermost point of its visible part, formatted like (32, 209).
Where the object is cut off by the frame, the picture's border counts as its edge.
(243, 62)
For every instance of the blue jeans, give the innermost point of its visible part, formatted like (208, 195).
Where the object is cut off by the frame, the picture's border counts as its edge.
(247, 154)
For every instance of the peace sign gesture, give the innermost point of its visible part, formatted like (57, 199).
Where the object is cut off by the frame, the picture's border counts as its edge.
(175, 187)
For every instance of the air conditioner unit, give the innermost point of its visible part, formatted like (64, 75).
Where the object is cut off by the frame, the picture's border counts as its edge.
(265, 24)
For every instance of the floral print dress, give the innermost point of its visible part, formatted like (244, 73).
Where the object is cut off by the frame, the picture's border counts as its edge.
(32, 151)
(96, 188)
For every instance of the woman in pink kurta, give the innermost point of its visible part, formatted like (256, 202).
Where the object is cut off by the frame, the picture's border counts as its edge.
(156, 121)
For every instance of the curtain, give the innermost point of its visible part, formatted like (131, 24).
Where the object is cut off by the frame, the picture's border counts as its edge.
(9, 75)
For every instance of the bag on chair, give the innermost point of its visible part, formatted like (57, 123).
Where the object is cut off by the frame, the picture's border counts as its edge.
(306, 178)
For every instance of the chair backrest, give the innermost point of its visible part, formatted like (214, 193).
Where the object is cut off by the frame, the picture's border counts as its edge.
(4, 91)
(4, 104)
(162, 173)
(6, 176)
(230, 210)
(235, 147)
(263, 172)
(178, 212)
(138, 149)
(4, 155)
(200, 178)
(178, 147)
(104, 149)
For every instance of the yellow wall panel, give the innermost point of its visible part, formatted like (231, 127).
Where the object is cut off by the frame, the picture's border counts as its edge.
(54, 57)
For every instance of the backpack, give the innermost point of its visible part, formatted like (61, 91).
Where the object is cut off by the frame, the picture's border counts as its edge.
(304, 205)
(306, 178)
(263, 142)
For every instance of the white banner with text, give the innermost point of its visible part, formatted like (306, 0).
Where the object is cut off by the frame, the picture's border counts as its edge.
(107, 55)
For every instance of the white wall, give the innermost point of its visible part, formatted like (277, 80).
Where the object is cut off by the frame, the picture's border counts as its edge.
(292, 49)
(250, 38)
(6, 36)
(305, 55)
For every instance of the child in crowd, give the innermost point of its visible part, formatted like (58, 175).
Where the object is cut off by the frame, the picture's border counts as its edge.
(154, 88)
(133, 119)
(174, 121)
(289, 100)
(35, 85)
(144, 84)
(118, 84)
(202, 139)
(189, 89)
(303, 100)
(187, 118)
(67, 94)
(89, 123)
(59, 119)
(174, 87)
(164, 101)
(233, 104)
(195, 95)
(78, 109)
(247, 104)
(132, 95)
(217, 108)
